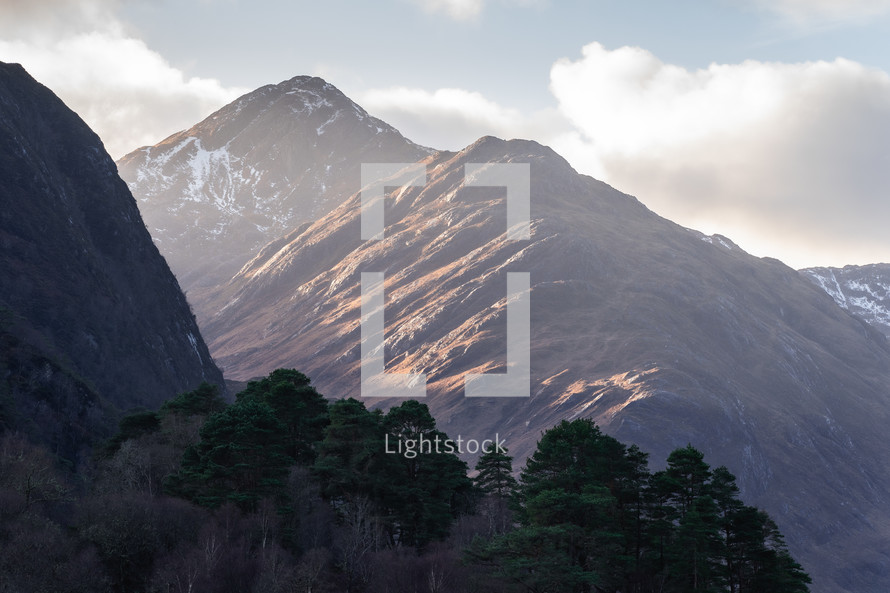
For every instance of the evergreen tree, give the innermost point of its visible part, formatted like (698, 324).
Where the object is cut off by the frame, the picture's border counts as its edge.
(691, 561)
(495, 473)
(687, 478)
(725, 492)
(241, 458)
(593, 518)
(633, 520)
(351, 455)
(364, 454)
(203, 401)
(424, 490)
(761, 562)
(494, 479)
(537, 559)
(574, 456)
(569, 497)
(302, 411)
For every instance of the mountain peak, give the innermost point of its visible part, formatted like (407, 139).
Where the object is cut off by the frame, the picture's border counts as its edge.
(299, 89)
(14, 67)
(545, 162)
(515, 146)
(662, 335)
(307, 82)
(272, 160)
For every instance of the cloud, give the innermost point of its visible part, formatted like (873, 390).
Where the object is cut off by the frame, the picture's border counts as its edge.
(453, 118)
(125, 91)
(459, 10)
(465, 10)
(790, 160)
(809, 12)
(46, 19)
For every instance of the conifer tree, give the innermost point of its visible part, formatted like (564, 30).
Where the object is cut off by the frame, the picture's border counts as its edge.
(495, 473)
(297, 405)
(351, 454)
(425, 491)
(202, 401)
(592, 518)
(494, 480)
(241, 458)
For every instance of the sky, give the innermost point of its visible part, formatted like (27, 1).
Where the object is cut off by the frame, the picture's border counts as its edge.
(767, 121)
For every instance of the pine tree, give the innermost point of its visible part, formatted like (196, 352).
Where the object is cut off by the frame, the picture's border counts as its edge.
(762, 563)
(725, 492)
(425, 491)
(495, 473)
(632, 517)
(417, 494)
(592, 517)
(568, 499)
(351, 455)
(298, 406)
(202, 401)
(494, 479)
(241, 458)
(694, 553)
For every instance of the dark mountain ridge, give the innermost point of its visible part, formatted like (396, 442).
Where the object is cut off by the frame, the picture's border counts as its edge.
(85, 288)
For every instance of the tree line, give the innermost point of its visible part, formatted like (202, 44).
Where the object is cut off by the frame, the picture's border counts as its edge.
(285, 491)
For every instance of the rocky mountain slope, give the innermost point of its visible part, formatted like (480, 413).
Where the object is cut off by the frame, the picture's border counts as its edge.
(90, 310)
(272, 160)
(661, 334)
(864, 291)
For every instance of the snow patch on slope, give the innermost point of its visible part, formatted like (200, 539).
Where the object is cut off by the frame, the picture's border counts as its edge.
(863, 291)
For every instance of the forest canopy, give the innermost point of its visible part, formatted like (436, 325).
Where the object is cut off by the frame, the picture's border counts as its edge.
(284, 490)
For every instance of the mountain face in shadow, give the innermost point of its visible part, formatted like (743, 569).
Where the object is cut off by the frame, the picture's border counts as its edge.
(664, 336)
(86, 300)
(270, 161)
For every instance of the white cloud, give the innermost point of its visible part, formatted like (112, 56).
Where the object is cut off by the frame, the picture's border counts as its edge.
(459, 10)
(19, 17)
(806, 12)
(453, 118)
(790, 160)
(125, 91)
(465, 10)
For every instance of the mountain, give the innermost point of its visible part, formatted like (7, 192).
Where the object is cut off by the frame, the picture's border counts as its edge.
(91, 318)
(272, 160)
(663, 335)
(864, 291)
